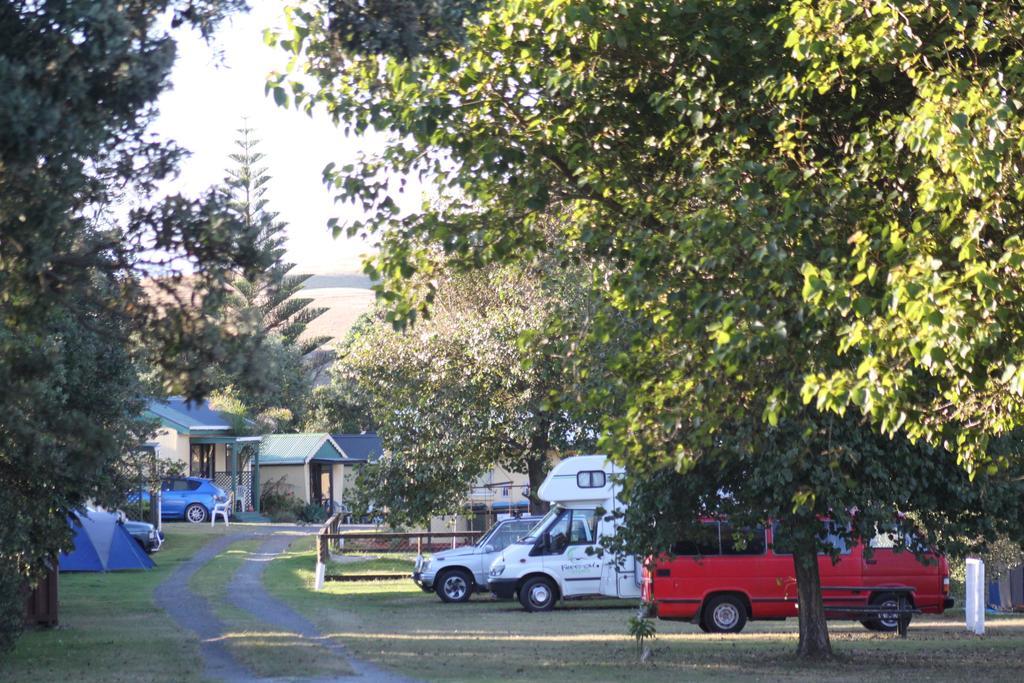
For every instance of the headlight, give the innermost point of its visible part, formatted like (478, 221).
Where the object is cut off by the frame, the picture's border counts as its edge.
(497, 570)
(152, 533)
(425, 566)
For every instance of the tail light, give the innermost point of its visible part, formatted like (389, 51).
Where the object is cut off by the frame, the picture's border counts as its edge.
(945, 584)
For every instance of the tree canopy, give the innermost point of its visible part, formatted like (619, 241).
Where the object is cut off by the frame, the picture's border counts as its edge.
(461, 394)
(99, 277)
(804, 207)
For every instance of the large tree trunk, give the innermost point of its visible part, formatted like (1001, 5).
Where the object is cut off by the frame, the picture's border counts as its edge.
(537, 470)
(814, 641)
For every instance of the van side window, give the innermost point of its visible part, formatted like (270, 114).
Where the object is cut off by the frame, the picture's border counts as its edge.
(888, 538)
(829, 535)
(591, 479)
(742, 541)
(703, 542)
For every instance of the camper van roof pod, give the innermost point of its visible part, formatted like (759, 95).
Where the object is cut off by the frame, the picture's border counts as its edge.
(579, 478)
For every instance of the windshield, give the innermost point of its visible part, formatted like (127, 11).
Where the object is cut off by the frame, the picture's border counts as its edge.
(543, 524)
(482, 541)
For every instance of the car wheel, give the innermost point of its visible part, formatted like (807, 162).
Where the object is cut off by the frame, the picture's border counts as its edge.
(538, 594)
(725, 614)
(196, 513)
(885, 622)
(454, 585)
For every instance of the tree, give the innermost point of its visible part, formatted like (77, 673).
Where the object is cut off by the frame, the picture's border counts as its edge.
(459, 394)
(270, 296)
(268, 301)
(789, 200)
(90, 295)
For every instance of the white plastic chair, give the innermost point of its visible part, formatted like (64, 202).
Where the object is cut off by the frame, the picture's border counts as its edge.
(223, 509)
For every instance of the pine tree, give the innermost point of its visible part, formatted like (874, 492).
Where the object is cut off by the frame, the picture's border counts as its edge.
(270, 297)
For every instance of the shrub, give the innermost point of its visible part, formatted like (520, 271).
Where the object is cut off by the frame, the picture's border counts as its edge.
(312, 513)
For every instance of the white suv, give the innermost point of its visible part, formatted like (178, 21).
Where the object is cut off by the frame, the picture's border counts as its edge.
(454, 574)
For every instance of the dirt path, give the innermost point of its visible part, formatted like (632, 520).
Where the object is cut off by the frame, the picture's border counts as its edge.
(246, 592)
(193, 612)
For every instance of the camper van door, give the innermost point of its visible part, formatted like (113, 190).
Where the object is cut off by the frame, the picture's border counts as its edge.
(572, 552)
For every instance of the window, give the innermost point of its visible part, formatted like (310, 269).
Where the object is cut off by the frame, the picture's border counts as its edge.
(571, 527)
(742, 541)
(829, 535)
(559, 534)
(584, 527)
(508, 533)
(594, 479)
(703, 542)
(889, 538)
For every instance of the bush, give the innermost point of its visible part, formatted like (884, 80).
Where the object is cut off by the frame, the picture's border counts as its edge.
(312, 513)
(276, 499)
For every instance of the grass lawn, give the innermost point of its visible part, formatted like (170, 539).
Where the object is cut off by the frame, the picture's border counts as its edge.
(110, 629)
(263, 649)
(400, 566)
(395, 624)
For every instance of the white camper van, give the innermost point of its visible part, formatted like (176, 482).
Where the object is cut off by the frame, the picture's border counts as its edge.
(558, 559)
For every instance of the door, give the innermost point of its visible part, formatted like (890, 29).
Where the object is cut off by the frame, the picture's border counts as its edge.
(201, 460)
(321, 484)
(571, 552)
(620, 576)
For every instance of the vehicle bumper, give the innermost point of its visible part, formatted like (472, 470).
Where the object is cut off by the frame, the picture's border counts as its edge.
(948, 603)
(424, 581)
(503, 589)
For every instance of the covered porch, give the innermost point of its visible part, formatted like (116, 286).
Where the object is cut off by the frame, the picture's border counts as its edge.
(232, 463)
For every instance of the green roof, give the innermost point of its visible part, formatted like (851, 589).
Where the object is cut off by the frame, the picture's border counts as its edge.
(181, 416)
(298, 449)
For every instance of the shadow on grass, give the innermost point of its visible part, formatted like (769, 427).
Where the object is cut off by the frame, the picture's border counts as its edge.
(395, 624)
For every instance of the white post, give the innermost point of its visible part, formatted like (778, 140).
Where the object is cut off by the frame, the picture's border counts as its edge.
(975, 598)
(320, 569)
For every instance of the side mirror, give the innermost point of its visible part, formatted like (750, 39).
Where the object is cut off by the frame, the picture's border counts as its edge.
(488, 549)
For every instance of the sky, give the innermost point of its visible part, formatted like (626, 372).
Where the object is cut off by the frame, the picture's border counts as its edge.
(210, 98)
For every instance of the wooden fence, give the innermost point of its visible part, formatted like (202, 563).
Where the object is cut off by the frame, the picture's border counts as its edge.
(332, 539)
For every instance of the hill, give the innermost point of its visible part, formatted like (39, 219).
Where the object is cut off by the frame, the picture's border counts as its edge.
(346, 296)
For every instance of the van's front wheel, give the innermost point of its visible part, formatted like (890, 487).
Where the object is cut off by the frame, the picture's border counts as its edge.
(538, 594)
(725, 614)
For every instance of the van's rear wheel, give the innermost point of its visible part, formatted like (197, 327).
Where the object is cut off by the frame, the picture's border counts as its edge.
(538, 594)
(885, 622)
(725, 614)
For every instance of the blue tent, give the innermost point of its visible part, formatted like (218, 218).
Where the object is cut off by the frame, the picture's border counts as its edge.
(102, 545)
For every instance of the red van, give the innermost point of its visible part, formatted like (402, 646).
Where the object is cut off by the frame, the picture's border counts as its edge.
(726, 577)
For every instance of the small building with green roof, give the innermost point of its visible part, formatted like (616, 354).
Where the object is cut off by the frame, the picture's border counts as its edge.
(207, 443)
(311, 467)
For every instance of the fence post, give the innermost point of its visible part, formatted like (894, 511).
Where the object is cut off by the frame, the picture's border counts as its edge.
(321, 568)
(975, 602)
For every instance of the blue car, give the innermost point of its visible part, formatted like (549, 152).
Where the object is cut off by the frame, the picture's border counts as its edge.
(188, 498)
